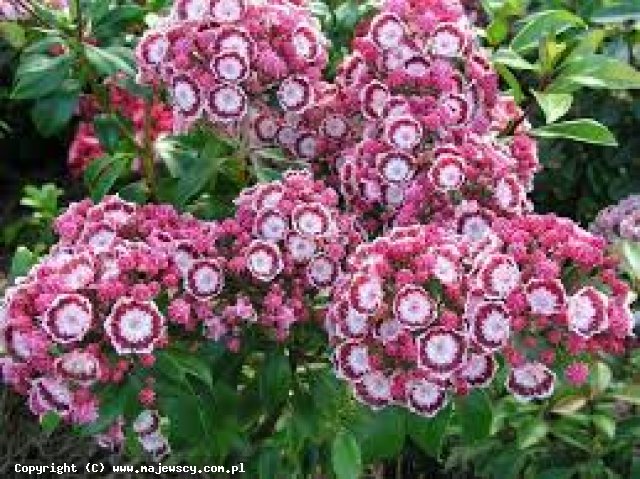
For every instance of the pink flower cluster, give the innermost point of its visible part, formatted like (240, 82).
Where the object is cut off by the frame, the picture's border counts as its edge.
(122, 276)
(221, 59)
(287, 242)
(90, 311)
(424, 313)
(86, 146)
(619, 221)
(429, 110)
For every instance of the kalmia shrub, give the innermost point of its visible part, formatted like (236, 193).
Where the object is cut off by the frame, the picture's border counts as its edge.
(286, 243)
(222, 60)
(85, 146)
(92, 311)
(426, 98)
(424, 313)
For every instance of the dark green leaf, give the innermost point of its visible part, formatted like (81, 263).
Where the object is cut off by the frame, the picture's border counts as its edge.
(107, 131)
(429, 433)
(49, 422)
(51, 114)
(268, 463)
(556, 473)
(40, 75)
(178, 365)
(382, 434)
(102, 173)
(109, 61)
(475, 415)
(274, 379)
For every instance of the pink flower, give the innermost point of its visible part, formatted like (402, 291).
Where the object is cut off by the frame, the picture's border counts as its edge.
(577, 373)
(147, 397)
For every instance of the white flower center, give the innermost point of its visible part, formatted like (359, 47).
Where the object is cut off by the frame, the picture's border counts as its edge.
(136, 325)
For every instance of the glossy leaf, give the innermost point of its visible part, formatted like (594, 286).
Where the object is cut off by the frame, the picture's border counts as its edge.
(595, 71)
(541, 24)
(51, 114)
(584, 130)
(554, 105)
(40, 75)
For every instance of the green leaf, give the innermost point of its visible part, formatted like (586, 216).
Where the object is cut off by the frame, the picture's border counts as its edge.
(274, 379)
(512, 81)
(532, 432)
(382, 434)
(620, 12)
(39, 75)
(629, 394)
(584, 130)
(49, 422)
(556, 473)
(497, 31)
(569, 405)
(554, 105)
(345, 456)
(511, 59)
(541, 24)
(13, 33)
(21, 263)
(107, 131)
(51, 114)
(102, 173)
(605, 425)
(595, 71)
(475, 415)
(109, 61)
(630, 252)
(178, 365)
(600, 377)
(589, 43)
(115, 401)
(429, 433)
(268, 463)
(136, 192)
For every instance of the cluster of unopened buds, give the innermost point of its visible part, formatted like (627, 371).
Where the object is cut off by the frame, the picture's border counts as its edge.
(286, 243)
(424, 313)
(619, 221)
(430, 112)
(88, 313)
(154, 120)
(221, 59)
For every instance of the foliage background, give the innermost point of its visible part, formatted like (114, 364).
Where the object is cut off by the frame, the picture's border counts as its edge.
(595, 428)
